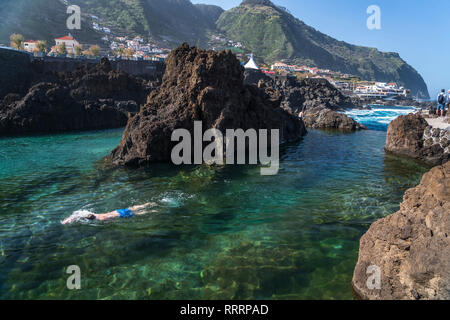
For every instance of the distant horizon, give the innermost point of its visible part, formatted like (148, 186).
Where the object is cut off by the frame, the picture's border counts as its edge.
(414, 30)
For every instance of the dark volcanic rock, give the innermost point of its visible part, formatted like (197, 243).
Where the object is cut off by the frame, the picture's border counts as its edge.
(48, 107)
(321, 118)
(87, 99)
(411, 247)
(14, 71)
(317, 98)
(102, 82)
(304, 94)
(200, 86)
(406, 137)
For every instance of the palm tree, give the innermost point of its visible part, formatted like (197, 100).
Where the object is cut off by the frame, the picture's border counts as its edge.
(16, 41)
(62, 48)
(78, 50)
(129, 52)
(41, 46)
(120, 51)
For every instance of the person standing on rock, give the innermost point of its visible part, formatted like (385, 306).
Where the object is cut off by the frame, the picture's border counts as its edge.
(448, 103)
(441, 99)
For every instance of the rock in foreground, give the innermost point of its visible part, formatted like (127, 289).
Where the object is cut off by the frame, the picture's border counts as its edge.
(321, 118)
(201, 86)
(412, 246)
(411, 136)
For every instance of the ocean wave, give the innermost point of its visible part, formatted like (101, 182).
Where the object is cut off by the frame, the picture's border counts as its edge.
(379, 117)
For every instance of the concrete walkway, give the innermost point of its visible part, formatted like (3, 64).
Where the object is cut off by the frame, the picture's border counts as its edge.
(438, 123)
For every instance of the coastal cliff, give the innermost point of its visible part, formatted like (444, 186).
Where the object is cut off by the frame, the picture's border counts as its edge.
(411, 136)
(411, 248)
(204, 86)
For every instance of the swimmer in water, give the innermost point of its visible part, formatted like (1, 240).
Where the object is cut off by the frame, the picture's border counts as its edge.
(123, 213)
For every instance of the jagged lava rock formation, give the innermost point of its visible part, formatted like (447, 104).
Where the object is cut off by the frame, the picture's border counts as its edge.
(322, 118)
(318, 98)
(411, 136)
(305, 94)
(87, 99)
(202, 86)
(412, 246)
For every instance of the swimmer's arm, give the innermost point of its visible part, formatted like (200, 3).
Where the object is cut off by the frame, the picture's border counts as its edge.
(67, 221)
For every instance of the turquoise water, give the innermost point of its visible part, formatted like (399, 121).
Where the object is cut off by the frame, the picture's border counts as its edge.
(219, 233)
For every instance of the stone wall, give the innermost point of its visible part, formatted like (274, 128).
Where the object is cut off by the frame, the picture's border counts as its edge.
(435, 136)
(19, 70)
(14, 71)
(142, 68)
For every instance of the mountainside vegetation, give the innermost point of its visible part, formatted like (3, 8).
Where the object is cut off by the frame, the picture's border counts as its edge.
(273, 33)
(269, 31)
(179, 20)
(173, 20)
(41, 20)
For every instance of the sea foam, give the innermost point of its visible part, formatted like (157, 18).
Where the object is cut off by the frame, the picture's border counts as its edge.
(80, 216)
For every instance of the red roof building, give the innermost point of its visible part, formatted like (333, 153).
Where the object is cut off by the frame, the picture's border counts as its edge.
(65, 38)
(69, 41)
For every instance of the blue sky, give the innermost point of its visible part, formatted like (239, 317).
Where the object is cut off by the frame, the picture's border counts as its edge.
(419, 30)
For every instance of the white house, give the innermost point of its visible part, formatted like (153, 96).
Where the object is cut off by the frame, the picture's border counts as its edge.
(29, 45)
(70, 42)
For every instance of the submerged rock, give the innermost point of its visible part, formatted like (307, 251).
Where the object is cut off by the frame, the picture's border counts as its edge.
(204, 86)
(411, 248)
(87, 99)
(321, 118)
(250, 270)
(411, 136)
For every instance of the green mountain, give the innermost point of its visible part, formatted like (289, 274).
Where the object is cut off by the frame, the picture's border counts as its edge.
(273, 33)
(180, 20)
(41, 20)
(173, 20)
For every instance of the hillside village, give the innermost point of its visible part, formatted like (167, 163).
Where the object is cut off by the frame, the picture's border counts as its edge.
(119, 46)
(122, 47)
